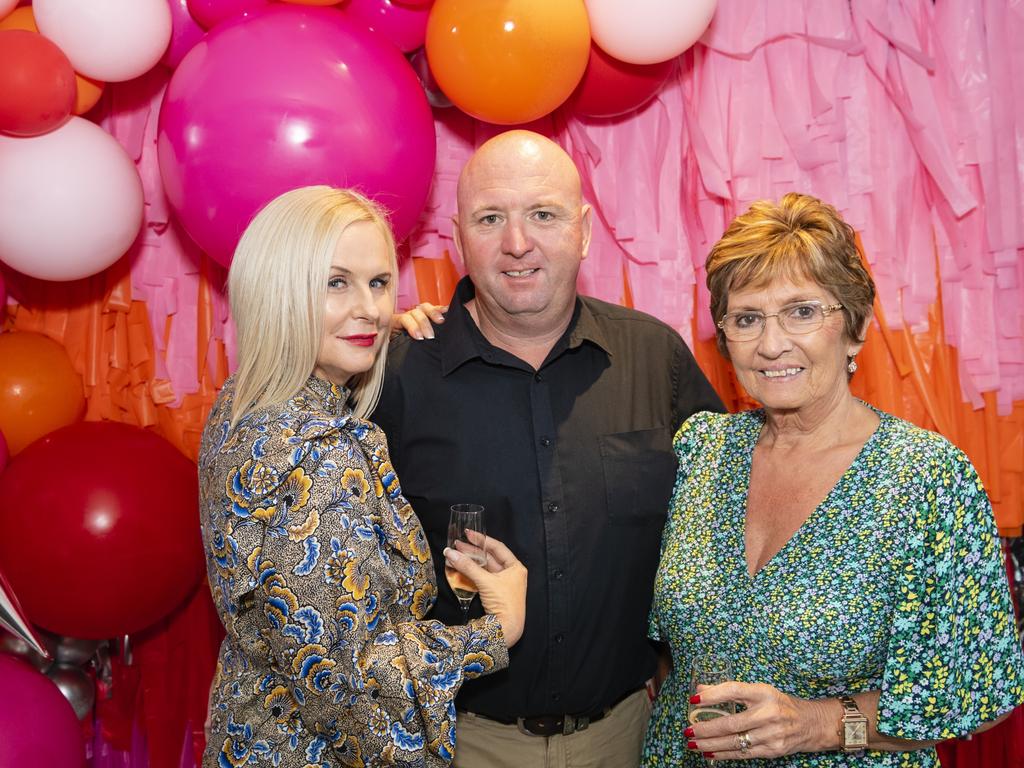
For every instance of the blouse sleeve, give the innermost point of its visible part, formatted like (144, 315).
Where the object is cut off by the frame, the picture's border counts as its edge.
(954, 661)
(687, 445)
(335, 561)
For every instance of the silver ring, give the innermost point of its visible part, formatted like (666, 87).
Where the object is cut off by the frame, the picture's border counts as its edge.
(744, 742)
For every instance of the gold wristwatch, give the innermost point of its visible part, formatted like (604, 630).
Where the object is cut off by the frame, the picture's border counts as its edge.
(854, 726)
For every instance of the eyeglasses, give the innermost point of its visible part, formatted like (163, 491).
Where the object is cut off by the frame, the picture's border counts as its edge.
(800, 318)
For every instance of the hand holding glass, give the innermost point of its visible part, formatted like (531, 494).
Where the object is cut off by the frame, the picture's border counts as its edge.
(465, 517)
(710, 669)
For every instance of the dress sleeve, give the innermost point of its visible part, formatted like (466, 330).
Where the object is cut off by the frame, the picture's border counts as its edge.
(954, 661)
(338, 577)
(687, 444)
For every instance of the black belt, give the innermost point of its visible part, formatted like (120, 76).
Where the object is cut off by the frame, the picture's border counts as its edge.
(555, 725)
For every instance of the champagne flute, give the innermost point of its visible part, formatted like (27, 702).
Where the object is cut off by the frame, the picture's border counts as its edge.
(710, 669)
(465, 517)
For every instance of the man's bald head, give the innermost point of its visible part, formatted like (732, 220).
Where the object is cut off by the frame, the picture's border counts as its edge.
(519, 154)
(522, 230)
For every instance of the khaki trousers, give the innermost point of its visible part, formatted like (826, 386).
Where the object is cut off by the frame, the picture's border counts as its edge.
(614, 741)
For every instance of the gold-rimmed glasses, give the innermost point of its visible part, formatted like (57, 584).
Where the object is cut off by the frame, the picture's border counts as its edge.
(798, 318)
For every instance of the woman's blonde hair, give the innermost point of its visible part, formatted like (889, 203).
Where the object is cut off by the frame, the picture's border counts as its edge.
(277, 287)
(800, 237)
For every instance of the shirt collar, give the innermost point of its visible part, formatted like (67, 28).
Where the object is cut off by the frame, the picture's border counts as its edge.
(333, 398)
(461, 340)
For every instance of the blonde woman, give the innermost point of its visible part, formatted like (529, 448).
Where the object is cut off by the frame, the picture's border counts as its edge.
(318, 566)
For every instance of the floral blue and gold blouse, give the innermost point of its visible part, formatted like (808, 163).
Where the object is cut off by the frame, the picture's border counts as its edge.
(322, 576)
(895, 583)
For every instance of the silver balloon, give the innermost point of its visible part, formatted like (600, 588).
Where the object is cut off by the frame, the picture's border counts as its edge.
(13, 645)
(435, 96)
(75, 652)
(76, 686)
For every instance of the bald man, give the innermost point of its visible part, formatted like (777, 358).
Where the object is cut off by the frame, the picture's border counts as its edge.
(556, 412)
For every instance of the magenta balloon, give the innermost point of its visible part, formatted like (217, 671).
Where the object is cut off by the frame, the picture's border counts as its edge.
(210, 12)
(185, 33)
(404, 26)
(37, 724)
(291, 96)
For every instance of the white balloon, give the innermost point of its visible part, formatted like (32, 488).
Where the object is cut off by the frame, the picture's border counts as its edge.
(109, 40)
(647, 31)
(70, 202)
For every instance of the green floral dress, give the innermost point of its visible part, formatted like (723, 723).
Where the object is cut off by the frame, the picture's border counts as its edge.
(322, 575)
(895, 582)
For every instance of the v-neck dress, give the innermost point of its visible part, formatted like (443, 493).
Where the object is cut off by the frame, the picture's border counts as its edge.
(894, 582)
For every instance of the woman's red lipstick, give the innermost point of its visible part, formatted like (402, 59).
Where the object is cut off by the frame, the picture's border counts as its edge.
(361, 339)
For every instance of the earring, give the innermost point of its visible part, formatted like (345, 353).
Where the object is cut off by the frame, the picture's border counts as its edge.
(852, 365)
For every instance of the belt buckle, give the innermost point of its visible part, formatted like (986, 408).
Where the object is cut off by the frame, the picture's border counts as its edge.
(572, 724)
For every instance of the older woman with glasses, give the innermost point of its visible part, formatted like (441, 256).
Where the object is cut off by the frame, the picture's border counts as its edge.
(843, 563)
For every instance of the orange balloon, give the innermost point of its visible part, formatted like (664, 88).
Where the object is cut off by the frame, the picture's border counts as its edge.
(508, 61)
(88, 90)
(40, 390)
(20, 18)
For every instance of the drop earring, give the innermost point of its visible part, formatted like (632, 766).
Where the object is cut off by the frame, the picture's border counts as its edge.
(852, 365)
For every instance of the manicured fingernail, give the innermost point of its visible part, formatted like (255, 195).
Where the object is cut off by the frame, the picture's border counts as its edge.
(691, 745)
(430, 334)
(695, 699)
(417, 335)
(688, 733)
(451, 555)
(709, 755)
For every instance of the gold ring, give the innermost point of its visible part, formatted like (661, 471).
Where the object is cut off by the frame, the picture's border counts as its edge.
(744, 742)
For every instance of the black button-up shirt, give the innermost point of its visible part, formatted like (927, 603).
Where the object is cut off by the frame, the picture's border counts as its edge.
(574, 465)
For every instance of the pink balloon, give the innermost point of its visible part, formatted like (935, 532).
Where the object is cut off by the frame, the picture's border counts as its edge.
(404, 26)
(211, 12)
(185, 33)
(6, 6)
(37, 724)
(70, 202)
(415, 3)
(108, 40)
(291, 96)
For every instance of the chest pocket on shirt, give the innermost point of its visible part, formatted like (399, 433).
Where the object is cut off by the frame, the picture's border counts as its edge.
(639, 470)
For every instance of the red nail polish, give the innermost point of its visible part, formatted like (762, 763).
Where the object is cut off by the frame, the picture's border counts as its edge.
(709, 755)
(691, 745)
(695, 699)
(688, 733)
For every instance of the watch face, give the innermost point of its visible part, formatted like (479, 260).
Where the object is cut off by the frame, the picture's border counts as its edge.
(856, 734)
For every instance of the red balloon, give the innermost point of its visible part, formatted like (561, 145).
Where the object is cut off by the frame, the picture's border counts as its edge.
(611, 87)
(100, 529)
(37, 84)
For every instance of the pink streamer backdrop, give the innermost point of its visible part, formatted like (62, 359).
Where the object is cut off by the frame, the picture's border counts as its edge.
(905, 115)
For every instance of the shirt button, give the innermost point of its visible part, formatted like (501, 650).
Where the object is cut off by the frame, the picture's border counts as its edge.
(559, 637)
(552, 507)
(538, 377)
(557, 574)
(545, 441)
(556, 696)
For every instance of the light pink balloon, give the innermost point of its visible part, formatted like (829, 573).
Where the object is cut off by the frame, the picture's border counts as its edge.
(648, 31)
(6, 6)
(70, 202)
(109, 40)
(211, 12)
(185, 33)
(404, 26)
